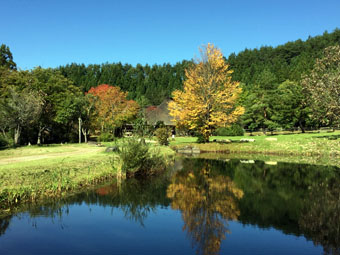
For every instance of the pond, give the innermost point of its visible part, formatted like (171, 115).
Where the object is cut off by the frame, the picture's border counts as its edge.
(199, 207)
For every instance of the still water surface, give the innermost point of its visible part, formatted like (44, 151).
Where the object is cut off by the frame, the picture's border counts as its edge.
(204, 207)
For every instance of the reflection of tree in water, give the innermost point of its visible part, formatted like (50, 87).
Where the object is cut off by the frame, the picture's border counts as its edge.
(136, 197)
(4, 224)
(131, 204)
(320, 220)
(207, 202)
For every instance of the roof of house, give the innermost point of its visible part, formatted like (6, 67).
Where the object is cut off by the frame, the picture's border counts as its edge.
(154, 114)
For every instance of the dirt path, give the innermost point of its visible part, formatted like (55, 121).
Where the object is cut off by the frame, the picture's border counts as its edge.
(50, 155)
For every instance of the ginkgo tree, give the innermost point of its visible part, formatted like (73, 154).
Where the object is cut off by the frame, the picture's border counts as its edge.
(112, 109)
(209, 96)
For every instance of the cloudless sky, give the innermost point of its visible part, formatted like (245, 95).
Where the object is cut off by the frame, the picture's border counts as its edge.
(50, 33)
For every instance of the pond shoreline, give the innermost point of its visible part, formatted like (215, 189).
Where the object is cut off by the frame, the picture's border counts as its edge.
(307, 145)
(252, 152)
(32, 181)
(14, 198)
(27, 181)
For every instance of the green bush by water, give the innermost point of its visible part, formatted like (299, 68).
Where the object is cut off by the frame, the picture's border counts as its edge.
(135, 158)
(162, 135)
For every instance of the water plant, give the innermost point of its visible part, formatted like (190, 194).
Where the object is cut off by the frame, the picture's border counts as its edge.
(136, 158)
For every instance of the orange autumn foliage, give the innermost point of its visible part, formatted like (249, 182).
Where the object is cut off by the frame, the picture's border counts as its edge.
(112, 107)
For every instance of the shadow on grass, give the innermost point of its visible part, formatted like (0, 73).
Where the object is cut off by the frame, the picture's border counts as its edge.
(329, 137)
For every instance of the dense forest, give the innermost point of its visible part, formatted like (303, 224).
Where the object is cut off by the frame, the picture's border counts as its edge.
(47, 105)
(150, 83)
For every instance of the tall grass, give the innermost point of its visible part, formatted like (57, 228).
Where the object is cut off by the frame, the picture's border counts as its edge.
(136, 158)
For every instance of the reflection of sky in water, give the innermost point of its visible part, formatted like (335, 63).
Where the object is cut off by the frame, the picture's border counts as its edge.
(90, 229)
(248, 239)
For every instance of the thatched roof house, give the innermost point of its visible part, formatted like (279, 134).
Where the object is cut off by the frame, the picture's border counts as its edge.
(154, 114)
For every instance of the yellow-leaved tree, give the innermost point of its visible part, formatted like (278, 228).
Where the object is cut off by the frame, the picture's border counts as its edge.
(209, 95)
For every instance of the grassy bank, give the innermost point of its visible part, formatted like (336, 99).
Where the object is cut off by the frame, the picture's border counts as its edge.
(311, 144)
(32, 173)
(273, 159)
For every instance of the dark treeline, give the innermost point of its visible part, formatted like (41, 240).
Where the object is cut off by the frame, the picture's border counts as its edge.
(285, 62)
(150, 84)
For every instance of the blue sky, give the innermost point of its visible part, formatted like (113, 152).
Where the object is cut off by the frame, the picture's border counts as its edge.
(50, 33)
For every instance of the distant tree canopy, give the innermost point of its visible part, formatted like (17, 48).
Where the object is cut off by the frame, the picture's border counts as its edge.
(6, 58)
(152, 83)
(286, 62)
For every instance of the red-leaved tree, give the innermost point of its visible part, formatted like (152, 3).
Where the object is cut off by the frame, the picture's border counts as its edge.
(112, 107)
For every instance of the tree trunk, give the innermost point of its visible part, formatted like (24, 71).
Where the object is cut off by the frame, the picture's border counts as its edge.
(79, 131)
(4, 133)
(206, 138)
(39, 137)
(41, 129)
(17, 133)
(85, 133)
(302, 127)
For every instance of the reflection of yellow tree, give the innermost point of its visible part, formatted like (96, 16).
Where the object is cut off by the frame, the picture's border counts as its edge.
(206, 202)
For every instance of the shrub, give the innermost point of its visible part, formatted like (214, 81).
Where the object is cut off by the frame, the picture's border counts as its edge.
(6, 142)
(3, 142)
(106, 137)
(233, 130)
(159, 124)
(162, 135)
(200, 138)
(135, 158)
